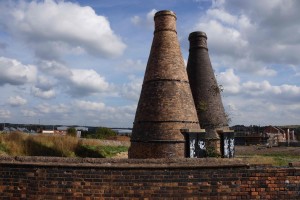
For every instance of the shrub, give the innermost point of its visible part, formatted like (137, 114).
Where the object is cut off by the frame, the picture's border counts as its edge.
(19, 144)
(72, 132)
(99, 151)
(104, 133)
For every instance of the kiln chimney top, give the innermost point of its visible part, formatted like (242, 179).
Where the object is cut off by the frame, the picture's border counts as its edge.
(165, 12)
(197, 34)
(198, 39)
(165, 20)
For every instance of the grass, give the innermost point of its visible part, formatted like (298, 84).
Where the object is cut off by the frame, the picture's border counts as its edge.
(21, 144)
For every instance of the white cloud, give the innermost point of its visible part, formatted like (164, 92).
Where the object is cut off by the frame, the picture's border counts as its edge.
(252, 36)
(262, 111)
(259, 102)
(46, 108)
(130, 65)
(232, 84)
(84, 82)
(16, 101)
(14, 72)
(223, 40)
(265, 90)
(65, 26)
(222, 16)
(45, 83)
(28, 113)
(146, 21)
(88, 105)
(150, 15)
(229, 81)
(132, 89)
(5, 114)
(99, 113)
(136, 20)
(44, 94)
(77, 82)
(54, 68)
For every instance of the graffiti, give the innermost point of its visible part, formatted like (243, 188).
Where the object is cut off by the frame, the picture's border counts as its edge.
(192, 148)
(231, 148)
(201, 144)
(226, 147)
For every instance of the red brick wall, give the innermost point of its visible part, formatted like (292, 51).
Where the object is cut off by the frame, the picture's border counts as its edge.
(57, 178)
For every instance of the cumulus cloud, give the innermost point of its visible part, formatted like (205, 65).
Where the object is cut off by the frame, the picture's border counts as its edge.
(5, 114)
(264, 89)
(252, 36)
(261, 111)
(85, 82)
(259, 102)
(16, 101)
(284, 94)
(88, 105)
(28, 113)
(14, 72)
(97, 112)
(66, 26)
(44, 94)
(229, 81)
(132, 89)
(136, 20)
(146, 20)
(77, 82)
(54, 68)
(47, 108)
(130, 65)
(45, 83)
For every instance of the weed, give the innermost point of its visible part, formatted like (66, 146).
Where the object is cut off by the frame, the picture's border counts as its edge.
(20, 144)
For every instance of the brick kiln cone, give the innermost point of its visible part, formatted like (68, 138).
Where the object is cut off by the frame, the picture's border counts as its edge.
(166, 104)
(204, 86)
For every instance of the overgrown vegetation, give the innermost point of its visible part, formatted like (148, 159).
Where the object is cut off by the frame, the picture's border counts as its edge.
(72, 132)
(102, 133)
(275, 159)
(20, 144)
(211, 152)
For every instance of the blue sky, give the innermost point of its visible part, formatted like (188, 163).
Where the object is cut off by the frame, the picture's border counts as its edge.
(82, 62)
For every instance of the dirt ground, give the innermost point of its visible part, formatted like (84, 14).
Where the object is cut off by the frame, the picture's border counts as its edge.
(251, 150)
(261, 150)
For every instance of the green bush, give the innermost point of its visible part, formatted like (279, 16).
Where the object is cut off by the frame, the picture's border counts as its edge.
(72, 132)
(99, 151)
(103, 133)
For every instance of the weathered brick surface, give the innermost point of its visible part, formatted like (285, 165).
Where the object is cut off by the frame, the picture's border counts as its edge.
(205, 89)
(166, 104)
(25, 178)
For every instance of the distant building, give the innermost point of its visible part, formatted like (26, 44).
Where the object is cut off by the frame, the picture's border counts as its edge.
(249, 135)
(54, 132)
(276, 135)
(78, 129)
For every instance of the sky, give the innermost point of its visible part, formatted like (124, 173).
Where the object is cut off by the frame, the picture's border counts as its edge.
(82, 61)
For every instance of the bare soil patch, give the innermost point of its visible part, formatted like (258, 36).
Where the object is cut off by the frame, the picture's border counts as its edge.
(261, 150)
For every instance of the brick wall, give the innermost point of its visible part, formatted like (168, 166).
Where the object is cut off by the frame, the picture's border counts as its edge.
(72, 178)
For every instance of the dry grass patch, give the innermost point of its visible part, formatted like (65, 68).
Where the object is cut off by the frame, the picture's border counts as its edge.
(20, 144)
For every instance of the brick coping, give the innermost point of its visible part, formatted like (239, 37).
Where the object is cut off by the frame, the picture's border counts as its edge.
(192, 163)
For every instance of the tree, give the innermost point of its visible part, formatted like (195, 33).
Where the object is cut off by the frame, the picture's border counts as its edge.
(103, 133)
(72, 132)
